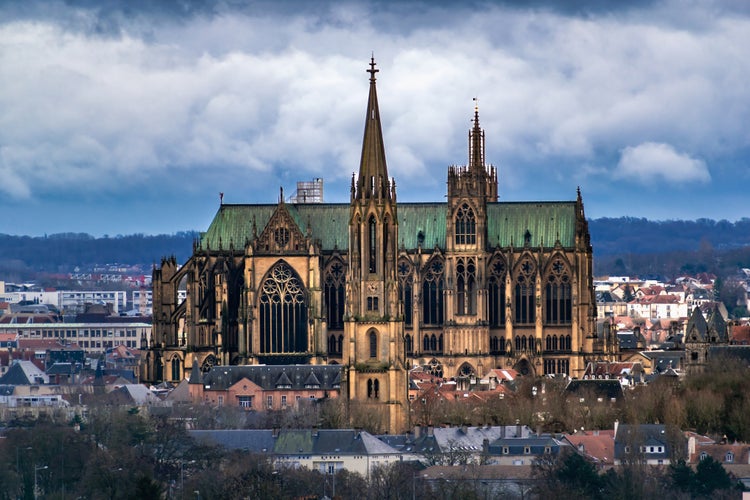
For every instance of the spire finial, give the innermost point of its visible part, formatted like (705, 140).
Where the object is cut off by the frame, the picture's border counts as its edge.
(476, 113)
(372, 69)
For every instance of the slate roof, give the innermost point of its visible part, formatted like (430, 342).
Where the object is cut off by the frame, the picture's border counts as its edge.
(602, 388)
(271, 377)
(251, 440)
(665, 360)
(641, 435)
(419, 223)
(298, 441)
(445, 439)
(24, 373)
(532, 445)
(134, 394)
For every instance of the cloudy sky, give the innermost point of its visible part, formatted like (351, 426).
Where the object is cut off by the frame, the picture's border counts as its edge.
(125, 117)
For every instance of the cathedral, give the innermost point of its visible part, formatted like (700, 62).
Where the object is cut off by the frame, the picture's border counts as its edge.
(457, 287)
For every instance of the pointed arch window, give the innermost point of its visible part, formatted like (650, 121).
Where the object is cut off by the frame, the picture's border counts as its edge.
(558, 303)
(372, 244)
(373, 388)
(334, 294)
(406, 290)
(496, 284)
(432, 293)
(176, 368)
(283, 312)
(408, 344)
(466, 226)
(466, 303)
(525, 306)
(373, 345)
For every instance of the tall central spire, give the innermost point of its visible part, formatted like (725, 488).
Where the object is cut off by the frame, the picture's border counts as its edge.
(476, 142)
(373, 171)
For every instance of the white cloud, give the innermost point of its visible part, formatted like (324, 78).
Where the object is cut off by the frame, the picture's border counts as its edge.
(261, 95)
(652, 163)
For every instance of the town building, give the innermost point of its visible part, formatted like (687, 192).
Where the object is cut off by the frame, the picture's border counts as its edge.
(460, 287)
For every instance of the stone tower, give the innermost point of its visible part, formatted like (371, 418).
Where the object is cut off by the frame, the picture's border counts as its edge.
(374, 328)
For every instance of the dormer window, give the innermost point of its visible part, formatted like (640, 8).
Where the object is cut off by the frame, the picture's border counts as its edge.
(729, 458)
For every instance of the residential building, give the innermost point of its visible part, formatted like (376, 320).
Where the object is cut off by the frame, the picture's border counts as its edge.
(264, 388)
(324, 450)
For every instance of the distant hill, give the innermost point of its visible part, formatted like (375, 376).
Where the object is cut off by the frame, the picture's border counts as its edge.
(22, 256)
(640, 236)
(624, 245)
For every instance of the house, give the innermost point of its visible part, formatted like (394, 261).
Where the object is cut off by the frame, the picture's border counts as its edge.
(487, 481)
(324, 450)
(597, 445)
(523, 450)
(24, 373)
(452, 445)
(646, 442)
(261, 387)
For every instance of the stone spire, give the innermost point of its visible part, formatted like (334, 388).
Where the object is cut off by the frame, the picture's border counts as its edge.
(476, 143)
(373, 172)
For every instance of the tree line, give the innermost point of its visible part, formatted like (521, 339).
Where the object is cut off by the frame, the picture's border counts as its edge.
(622, 246)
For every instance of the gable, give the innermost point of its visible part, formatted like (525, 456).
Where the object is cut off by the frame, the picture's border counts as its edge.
(245, 386)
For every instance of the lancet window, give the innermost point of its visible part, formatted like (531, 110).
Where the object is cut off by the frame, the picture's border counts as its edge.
(334, 294)
(405, 289)
(432, 293)
(466, 302)
(558, 306)
(372, 244)
(466, 226)
(283, 312)
(525, 305)
(496, 284)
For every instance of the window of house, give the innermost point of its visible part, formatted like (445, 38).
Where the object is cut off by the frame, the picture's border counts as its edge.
(221, 400)
(526, 450)
(245, 401)
(729, 457)
(283, 401)
(505, 450)
(269, 402)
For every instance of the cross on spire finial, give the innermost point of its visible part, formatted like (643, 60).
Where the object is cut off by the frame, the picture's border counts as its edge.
(372, 69)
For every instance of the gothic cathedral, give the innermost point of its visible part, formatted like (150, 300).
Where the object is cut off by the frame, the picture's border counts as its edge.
(378, 287)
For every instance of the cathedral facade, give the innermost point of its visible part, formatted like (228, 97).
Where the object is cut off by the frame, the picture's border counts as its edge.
(458, 287)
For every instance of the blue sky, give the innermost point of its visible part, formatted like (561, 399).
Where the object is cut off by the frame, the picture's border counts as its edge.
(132, 117)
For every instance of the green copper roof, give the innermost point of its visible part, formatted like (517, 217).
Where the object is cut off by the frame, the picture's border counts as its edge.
(425, 223)
(293, 442)
(546, 222)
